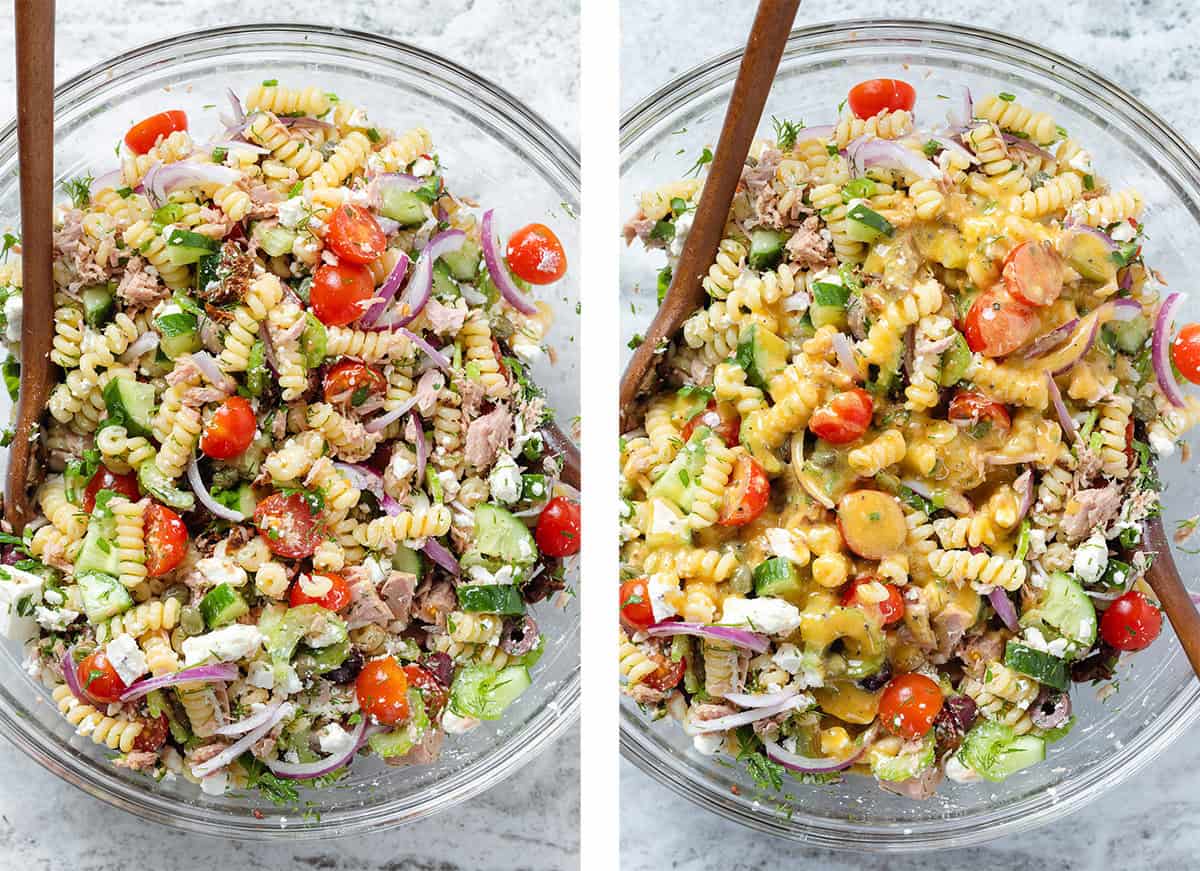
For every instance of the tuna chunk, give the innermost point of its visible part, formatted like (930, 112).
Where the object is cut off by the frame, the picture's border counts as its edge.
(139, 288)
(444, 319)
(1096, 507)
(807, 248)
(366, 606)
(434, 602)
(486, 435)
(397, 591)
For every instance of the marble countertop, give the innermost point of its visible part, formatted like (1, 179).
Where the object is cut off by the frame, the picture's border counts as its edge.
(1148, 822)
(531, 820)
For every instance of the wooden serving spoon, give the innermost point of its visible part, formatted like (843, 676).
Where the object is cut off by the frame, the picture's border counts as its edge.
(35, 137)
(764, 49)
(1164, 579)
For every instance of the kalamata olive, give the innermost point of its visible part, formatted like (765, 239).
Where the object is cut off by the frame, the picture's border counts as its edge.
(520, 635)
(963, 709)
(349, 668)
(876, 681)
(441, 666)
(1050, 709)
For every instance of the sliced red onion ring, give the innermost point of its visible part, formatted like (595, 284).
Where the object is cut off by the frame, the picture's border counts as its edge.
(919, 487)
(233, 751)
(362, 478)
(821, 131)
(439, 359)
(235, 102)
(231, 144)
(1004, 608)
(207, 364)
(387, 225)
(761, 700)
(498, 269)
(307, 770)
(143, 344)
(1160, 350)
(440, 555)
(1060, 409)
(845, 354)
(378, 423)
(222, 672)
(303, 121)
(386, 291)
(241, 727)
(1024, 486)
(961, 110)
(205, 498)
(71, 676)
(1026, 145)
(737, 637)
(422, 446)
(400, 181)
(732, 721)
(1084, 335)
(808, 765)
(956, 147)
(420, 285)
(1053, 339)
(163, 179)
(867, 151)
(1079, 227)
(112, 180)
(807, 480)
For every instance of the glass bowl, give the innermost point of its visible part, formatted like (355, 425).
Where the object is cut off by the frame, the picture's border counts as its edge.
(495, 150)
(1158, 695)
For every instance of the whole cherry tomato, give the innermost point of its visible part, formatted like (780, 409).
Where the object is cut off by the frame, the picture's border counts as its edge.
(721, 417)
(747, 493)
(352, 381)
(433, 693)
(382, 690)
(970, 407)
(636, 609)
(353, 234)
(125, 485)
(997, 325)
(535, 254)
(844, 418)
(1033, 273)
(166, 540)
(890, 609)
(558, 527)
(230, 430)
(98, 678)
(145, 134)
(288, 524)
(339, 293)
(1131, 622)
(909, 705)
(871, 97)
(1185, 352)
(335, 598)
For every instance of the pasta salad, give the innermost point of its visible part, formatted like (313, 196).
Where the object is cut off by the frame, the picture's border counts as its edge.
(886, 502)
(295, 502)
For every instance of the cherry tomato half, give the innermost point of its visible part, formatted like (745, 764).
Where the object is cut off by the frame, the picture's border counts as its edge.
(535, 254)
(997, 325)
(143, 135)
(153, 735)
(636, 609)
(351, 381)
(433, 693)
(288, 525)
(557, 531)
(721, 417)
(98, 678)
(335, 598)
(382, 690)
(890, 609)
(970, 407)
(667, 675)
(845, 418)
(1033, 273)
(909, 705)
(1185, 352)
(747, 493)
(230, 430)
(125, 485)
(353, 234)
(1131, 622)
(339, 292)
(871, 97)
(166, 540)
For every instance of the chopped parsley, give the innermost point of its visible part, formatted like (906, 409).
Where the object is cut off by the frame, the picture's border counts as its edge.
(705, 157)
(1006, 97)
(786, 132)
(79, 190)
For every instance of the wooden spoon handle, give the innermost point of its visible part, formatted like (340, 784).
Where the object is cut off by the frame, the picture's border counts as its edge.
(561, 446)
(35, 137)
(764, 48)
(1164, 579)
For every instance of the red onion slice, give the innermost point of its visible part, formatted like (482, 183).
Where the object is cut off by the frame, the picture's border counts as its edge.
(400, 181)
(378, 423)
(1024, 486)
(760, 700)
(1053, 339)
(437, 552)
(114, 180)
(867, 151)
(163, 179)
(919, 487)
(961, 110)
(957, 148)
(1026, 145)
(200, 489)
(241, 727)
(362, 478)
(498, 269)
(422, 445)
(233, 751)
(737, 637)
(210, 369)
(386, 291)
(1060, 409)
(303, 121)
(143, 344)
(733, 721)
(222, 672)
(820, 132)
(70, 672)
(1004, 608)
(420, 285)
(1160, 350)
(438, 358)
(1079, 227)
(808, 765)
(846, 358)
(307, 770)
(239, 114)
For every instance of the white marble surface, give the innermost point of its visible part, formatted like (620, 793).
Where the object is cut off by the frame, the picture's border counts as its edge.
(531, 821)
(1149, 822)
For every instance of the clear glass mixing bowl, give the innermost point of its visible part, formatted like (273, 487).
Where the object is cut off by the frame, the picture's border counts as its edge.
(1158, 697)
(495, 150)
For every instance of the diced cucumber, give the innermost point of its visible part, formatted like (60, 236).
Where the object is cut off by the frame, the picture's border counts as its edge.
(403, 206)
(314, 342)
(463, 263)
(1088, 253)
(904, 765)
(1066, 609)
(208, 272)
(102, 596)
(1129, 336)
(994, 751)
(405, 559)
(482, 692)
(275, 240)
(222, 604)
(828, 305)
(257, 374)
(184, 246)
(240, 498)
(533, 488)
(401, 740)
(158, 485)
(132, 404)
(444, 287)
(98, 553)
(866, 225)
(956, 360)
(680, 482)
(1041, 666)
(499, 534)
(666, 525)
(320, 660)
(766, 249)
(777, 577)
(180, 333)
(762, 354)
(491, 599)
(97, 304)
(285, 633)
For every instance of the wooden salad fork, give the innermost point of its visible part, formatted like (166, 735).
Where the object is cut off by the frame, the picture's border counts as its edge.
(35, 136)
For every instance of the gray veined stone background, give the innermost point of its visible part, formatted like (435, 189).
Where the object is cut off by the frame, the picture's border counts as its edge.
(529, 47)
(1149, 47)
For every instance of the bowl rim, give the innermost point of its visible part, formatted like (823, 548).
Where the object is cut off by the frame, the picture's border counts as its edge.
(557, 714)
(676, 772)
